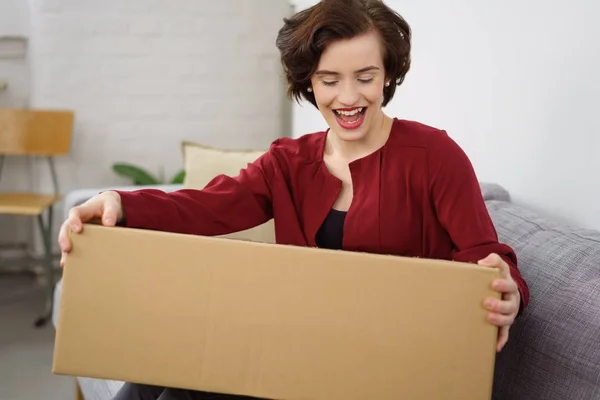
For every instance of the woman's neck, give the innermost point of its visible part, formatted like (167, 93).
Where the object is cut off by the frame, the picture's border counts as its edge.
(373, 140)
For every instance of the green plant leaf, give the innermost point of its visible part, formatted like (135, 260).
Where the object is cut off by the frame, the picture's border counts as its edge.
(178, 179)
(138, 175)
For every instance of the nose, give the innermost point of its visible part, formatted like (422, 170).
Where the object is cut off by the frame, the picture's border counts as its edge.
(348, 94)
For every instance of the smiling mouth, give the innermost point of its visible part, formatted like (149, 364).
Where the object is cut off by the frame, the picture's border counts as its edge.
(350, 119)
(351, 114)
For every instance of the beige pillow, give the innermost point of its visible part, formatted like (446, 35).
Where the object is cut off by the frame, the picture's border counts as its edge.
(203, 163)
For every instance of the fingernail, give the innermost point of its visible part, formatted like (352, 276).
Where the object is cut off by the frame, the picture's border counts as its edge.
(109, 221)
(489, 303)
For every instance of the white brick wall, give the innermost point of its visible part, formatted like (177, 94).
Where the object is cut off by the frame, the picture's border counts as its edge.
(143, 75)
(14, 69)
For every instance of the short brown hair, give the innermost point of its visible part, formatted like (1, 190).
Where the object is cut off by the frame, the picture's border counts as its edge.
(304, 36)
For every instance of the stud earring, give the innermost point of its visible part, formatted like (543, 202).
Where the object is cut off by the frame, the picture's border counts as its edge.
(387, 84)
(309, 90)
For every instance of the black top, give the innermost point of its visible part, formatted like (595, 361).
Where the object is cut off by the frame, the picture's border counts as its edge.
(331, 232)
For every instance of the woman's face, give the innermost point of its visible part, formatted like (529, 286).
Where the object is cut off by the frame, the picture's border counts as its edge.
(348, 86)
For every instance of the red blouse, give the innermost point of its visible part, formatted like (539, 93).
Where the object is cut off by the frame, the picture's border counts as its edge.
(416, 196)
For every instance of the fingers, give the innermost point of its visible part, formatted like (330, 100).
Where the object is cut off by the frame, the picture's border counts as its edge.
(501, 307)
(73, 222)
(63, 238)
(505, 286)
(110, 213)
(492, 260)
(64, 242)
(502, 338)
(501, 320)
(495, 261)
(62, 259)
(502, 312)
(106, 206)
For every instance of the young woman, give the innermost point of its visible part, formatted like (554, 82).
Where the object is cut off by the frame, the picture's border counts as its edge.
(369, 183)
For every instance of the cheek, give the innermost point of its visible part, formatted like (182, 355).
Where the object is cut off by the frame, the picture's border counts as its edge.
(324, 97)
(374, 94)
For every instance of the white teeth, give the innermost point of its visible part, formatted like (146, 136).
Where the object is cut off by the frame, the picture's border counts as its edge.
(350, 113)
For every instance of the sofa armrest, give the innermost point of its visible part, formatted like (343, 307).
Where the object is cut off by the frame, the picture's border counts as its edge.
(493, 191)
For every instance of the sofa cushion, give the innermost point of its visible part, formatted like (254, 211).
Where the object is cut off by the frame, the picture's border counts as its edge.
(493, 191)
(554, 350)
(203, 163)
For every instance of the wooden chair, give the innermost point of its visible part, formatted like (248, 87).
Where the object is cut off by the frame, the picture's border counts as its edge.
(36, 133)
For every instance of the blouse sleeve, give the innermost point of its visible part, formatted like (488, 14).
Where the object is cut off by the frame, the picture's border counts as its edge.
(225, 205)
(461, 210)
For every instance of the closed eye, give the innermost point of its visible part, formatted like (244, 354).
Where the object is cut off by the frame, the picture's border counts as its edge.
(364, 80)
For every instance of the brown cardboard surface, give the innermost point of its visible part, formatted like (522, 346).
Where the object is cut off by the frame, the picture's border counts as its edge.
(272, 321)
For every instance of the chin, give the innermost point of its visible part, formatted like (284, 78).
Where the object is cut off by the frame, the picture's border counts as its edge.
(350, 136)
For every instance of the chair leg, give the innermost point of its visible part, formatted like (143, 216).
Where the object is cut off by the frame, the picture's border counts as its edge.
(46, 232)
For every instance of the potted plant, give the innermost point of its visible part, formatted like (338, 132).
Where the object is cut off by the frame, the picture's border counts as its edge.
(139, 176)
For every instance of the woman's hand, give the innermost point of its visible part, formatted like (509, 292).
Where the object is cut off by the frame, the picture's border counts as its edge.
(502, 311)
(106, 206)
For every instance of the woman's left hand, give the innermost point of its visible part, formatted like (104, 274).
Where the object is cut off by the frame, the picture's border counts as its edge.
(503, 311)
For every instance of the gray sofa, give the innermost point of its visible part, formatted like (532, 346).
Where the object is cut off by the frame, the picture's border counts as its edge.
(554, 350)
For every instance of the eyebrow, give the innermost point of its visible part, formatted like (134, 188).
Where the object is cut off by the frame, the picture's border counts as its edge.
(360, 71)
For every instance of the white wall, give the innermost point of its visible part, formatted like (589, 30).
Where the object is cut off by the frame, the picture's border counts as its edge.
(14, 67)
(517, 84)
(144, 76)
(14, 17)
(15, 71)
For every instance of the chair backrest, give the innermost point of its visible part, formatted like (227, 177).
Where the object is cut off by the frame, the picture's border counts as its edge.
(35, 132)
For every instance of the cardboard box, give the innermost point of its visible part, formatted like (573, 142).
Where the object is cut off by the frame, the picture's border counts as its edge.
(272, 321)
